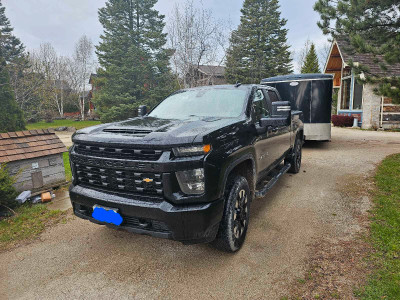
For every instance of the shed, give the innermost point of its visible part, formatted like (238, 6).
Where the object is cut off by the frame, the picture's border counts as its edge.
(359, 100)
(35, 156)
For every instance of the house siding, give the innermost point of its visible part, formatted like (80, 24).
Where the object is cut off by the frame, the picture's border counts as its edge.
(51, 168)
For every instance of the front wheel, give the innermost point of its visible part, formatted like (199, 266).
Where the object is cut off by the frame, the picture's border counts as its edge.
(233, 227)
(295, 157)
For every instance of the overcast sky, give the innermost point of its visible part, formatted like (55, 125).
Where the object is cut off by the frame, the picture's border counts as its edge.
(62, 22)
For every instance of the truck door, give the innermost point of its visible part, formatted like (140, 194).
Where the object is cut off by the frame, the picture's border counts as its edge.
(279, 134)
(261, 109)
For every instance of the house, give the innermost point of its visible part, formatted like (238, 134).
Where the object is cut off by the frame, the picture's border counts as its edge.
(359, 100)
(35, 156)
(206, 75)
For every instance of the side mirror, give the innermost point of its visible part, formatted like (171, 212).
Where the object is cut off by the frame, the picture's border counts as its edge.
(281, 109)
(142, 110)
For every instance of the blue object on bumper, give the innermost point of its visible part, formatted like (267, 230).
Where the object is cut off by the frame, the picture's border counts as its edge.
(108, 216)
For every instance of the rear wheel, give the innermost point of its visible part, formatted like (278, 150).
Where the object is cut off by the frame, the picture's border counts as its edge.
(233, 227)
(295, 157)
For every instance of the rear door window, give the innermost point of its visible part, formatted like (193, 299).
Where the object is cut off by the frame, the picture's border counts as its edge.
(273, 96)
(260, 107)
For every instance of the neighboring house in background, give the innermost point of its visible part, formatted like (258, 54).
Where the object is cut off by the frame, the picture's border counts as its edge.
(359, 100)
(88, 100)
(206, 75)
(35, 156)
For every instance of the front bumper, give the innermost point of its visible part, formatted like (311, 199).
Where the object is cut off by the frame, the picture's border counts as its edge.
(189, 223)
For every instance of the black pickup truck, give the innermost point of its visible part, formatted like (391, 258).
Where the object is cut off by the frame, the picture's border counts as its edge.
(190, 168)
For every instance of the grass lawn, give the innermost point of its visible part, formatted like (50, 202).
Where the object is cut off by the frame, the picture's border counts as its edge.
(61, 123)
(28, 223)
(384, 282)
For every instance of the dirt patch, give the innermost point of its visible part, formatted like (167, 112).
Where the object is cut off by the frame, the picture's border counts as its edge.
(336, 269)
(338, 266)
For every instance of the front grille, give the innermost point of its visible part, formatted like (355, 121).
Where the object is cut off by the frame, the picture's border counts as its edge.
(117, 152)
(120, 180)
(147, 224)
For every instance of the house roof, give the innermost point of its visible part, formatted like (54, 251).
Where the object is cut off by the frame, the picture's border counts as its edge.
(212, 70)
(28, 144)
(367, 59)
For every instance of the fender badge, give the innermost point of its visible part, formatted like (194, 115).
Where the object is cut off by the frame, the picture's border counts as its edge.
(148, 180)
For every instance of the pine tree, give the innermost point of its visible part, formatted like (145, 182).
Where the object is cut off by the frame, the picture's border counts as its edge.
(258, 48)
(12, 48)
(370, 27)
(311, 64)
(134, 63)
(11, 117)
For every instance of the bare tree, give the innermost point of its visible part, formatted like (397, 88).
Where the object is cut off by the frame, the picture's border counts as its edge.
(52, 70)
(324, 54)
(80, 69)
(301, 56)
(26, 82)
(197, 39)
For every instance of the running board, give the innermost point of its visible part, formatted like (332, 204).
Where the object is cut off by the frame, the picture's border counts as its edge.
(262, 192)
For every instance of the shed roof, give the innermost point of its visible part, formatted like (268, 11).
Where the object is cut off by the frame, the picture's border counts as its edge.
(367, 59)
(28, 144)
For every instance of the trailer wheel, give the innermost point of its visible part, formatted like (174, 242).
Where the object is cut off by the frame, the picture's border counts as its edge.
(295, 157)
(233, 227)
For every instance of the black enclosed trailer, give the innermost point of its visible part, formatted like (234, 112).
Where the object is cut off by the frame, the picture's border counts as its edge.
(312, 94)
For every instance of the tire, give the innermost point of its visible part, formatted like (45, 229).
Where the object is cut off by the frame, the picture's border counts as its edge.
(295, 156)
(233, 227)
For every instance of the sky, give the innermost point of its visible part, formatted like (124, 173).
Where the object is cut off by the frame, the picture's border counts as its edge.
(63, 22)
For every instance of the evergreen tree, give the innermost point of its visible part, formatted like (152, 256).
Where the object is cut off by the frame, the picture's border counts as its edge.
(134, 63)
(311, 64)
(12, 48)
(370, 27)
(258, 48)
(11, 117)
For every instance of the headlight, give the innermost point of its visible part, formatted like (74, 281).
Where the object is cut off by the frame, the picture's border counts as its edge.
(192, 181)
(192, 150)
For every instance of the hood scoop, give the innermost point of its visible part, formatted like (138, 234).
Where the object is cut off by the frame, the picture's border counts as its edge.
(134, 132)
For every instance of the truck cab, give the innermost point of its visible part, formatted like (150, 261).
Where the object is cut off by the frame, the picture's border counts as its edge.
(190, 168)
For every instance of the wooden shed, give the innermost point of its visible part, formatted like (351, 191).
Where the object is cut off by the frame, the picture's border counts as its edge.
(36, 156)
(359, 100)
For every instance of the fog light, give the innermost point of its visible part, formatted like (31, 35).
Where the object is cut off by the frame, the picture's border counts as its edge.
(191, 181)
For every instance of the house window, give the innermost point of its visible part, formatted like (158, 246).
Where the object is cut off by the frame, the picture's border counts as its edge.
(345, 97)
(357, 97)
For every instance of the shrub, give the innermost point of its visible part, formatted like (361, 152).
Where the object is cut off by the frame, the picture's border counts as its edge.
(342, 121)
(7, 190)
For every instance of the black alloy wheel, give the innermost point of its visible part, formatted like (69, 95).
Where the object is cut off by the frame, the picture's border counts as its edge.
(235, 220)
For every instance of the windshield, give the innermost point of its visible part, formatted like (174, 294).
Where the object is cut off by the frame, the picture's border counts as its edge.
(213, 102)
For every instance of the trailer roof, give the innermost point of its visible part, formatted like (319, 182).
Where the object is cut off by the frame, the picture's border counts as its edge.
(298, 77)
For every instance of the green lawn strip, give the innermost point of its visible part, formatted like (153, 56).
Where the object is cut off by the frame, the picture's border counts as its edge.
(62, 123)
(28, 223)
(67, 166)
(384, 282)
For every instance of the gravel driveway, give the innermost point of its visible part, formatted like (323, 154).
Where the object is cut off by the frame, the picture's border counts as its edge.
(83, 260)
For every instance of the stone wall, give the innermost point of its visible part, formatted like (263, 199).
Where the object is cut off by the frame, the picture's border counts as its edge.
(371, 108)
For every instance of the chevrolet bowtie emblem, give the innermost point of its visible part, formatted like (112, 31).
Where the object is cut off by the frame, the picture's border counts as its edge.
(148, 180)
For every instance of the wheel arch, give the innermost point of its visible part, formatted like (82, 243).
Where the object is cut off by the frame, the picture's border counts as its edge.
(244, 166)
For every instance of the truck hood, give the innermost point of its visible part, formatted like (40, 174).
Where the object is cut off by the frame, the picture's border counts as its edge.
(153, 131)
